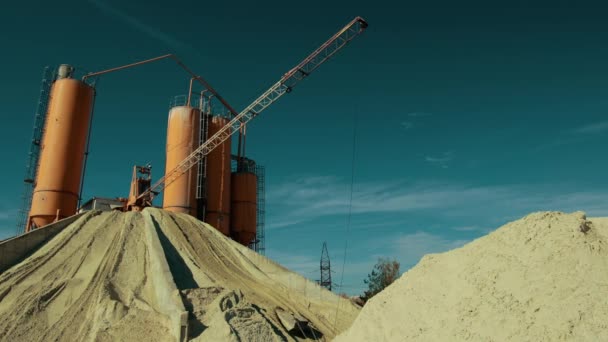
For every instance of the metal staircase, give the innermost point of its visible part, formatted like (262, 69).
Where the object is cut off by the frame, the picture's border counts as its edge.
(31, 167)
(201, 184)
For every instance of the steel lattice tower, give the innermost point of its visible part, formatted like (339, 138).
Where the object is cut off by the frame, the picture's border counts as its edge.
(325, 268)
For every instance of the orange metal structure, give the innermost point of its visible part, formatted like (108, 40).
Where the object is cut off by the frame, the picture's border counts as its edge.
(62, 154)
(244, 207)
(183, 132)
(218, 180)
(140, 182)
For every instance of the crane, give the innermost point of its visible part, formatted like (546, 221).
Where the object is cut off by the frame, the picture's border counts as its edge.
(285, 85)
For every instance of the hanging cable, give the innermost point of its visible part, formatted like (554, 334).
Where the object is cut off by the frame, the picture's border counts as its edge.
(88, 145)
(350, 210)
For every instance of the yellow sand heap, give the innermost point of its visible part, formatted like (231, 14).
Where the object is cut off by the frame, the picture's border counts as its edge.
(159, 276)
(541, 278)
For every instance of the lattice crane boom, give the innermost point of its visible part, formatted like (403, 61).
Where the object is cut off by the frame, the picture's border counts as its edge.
(284, 85)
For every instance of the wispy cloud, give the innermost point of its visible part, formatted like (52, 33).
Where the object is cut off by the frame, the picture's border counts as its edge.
(485, 229)
(406, 248)
(418, 114)
(296, 204)
(573, 136)
(441, 161)
(8, 213)
(411, 247)
(407, 125)
(593, 128)
(306, 265)
(8, 218)
(413, 118)
(137, 24)
(467, 228)
(394, 215)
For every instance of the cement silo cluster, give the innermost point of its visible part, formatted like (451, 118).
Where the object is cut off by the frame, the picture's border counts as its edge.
(225, 190)
(203, 178)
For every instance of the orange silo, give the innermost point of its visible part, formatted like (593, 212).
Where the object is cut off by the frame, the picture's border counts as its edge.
(217, 211)
(243, 218)
(183, 132)
(62, 152)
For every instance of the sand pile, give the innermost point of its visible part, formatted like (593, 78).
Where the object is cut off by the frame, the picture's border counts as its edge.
(541, 278)
(156, 276)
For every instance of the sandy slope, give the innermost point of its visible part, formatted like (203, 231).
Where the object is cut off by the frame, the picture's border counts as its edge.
(536, 279)
(255, 290)
(98, 281)
(90, 282)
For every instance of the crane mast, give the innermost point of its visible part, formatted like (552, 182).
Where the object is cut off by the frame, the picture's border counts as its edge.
(284, 85)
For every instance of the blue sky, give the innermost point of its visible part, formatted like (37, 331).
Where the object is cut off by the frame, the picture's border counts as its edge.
(469, 115)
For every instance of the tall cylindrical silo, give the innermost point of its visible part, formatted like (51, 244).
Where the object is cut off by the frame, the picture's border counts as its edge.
(243, 211)
(57, 184)
(217, 211)
(183, 131)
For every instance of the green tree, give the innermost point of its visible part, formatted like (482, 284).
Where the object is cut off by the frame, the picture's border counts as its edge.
(385, 272)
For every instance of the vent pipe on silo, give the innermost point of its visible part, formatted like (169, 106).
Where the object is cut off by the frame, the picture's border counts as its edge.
(65, 71)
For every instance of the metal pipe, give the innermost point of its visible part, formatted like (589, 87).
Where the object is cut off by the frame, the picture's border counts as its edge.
(92, 74)
(86, 153)
(205, 84)
(238, 149)
(209, 104)
(190, 92)
(244, 139)
(182, 65)
(200, 104)
(219, 97)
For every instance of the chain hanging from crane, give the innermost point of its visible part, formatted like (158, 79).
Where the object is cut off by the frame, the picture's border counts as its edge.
(284, 85)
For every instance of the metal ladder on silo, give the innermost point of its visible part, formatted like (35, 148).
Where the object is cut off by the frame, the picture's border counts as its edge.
(31, 167)
(201, 186)
(260, 241)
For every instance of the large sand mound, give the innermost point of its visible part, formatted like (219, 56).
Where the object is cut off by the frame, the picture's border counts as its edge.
(541, 278)
(154, 276)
